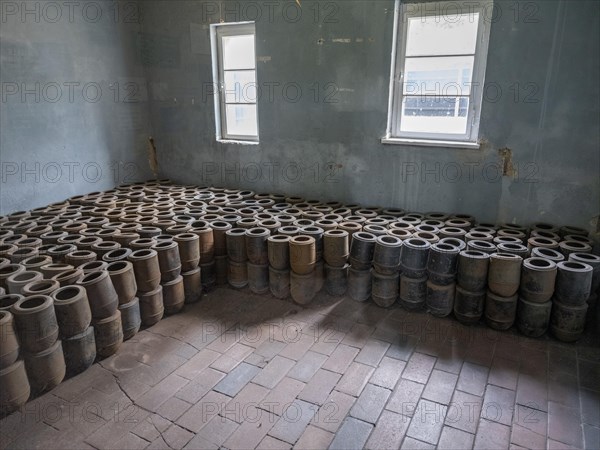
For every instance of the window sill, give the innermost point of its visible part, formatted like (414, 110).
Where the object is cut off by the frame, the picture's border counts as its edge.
(430, 143)
(233, 141)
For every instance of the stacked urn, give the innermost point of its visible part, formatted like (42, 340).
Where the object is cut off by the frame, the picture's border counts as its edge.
(106, 316)
(129, 255)
(336, 250)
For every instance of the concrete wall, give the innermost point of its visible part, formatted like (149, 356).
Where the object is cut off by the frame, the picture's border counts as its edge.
(323, 143)
(543, 56)
(74, 111)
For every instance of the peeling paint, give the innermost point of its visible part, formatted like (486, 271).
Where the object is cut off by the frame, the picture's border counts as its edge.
(508, 168)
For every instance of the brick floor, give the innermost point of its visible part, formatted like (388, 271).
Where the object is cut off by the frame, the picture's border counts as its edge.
(239, 370)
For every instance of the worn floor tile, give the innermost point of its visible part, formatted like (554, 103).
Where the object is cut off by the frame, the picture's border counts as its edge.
(452, 439)
(282, 395)
(250, 433)
(245, 404)
(491, 435)
(235, 355)
(405, 397)
(564, 424)
(297, 347)
(176, 437)
(293, 421)
(504, 373)
(388, 372)
(273, 372)
(270, 443)
(353, 434)
(355, 379)
(427, 421)
(200, 386)
(197, 364)
(464, 411)
(341, 358)
(216, 431)
(532, 391)
(531, 419)
(195, 418)
(369, 405)
(403, 347)
(332, 413)
(589, 374)
(414, 444)
(419, 368)
(440, 387)
(472, 379)
(235, 380)
(156, 396)
(173, 408)
(314, 438)
(590, 410)
(389, 431)
(526, 438)
(358, 335)
(307, 366)
(318, 388)
(591, 436)
(372, 352)
(498, 404)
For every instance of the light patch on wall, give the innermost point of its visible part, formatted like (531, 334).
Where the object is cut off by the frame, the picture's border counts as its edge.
(264, 59)
(199, 39)
(342, 40)
(359, 40)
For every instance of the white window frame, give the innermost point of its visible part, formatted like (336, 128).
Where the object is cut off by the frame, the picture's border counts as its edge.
(403, 12)
(217, 31)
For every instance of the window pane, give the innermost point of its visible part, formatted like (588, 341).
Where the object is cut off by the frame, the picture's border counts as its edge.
(238, 52)
(442, 35)
(240, 86)
(438, 75)
(241, 120)
(429, 114)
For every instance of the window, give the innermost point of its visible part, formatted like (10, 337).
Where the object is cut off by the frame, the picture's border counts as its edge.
(438, 71)
(234, 74)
